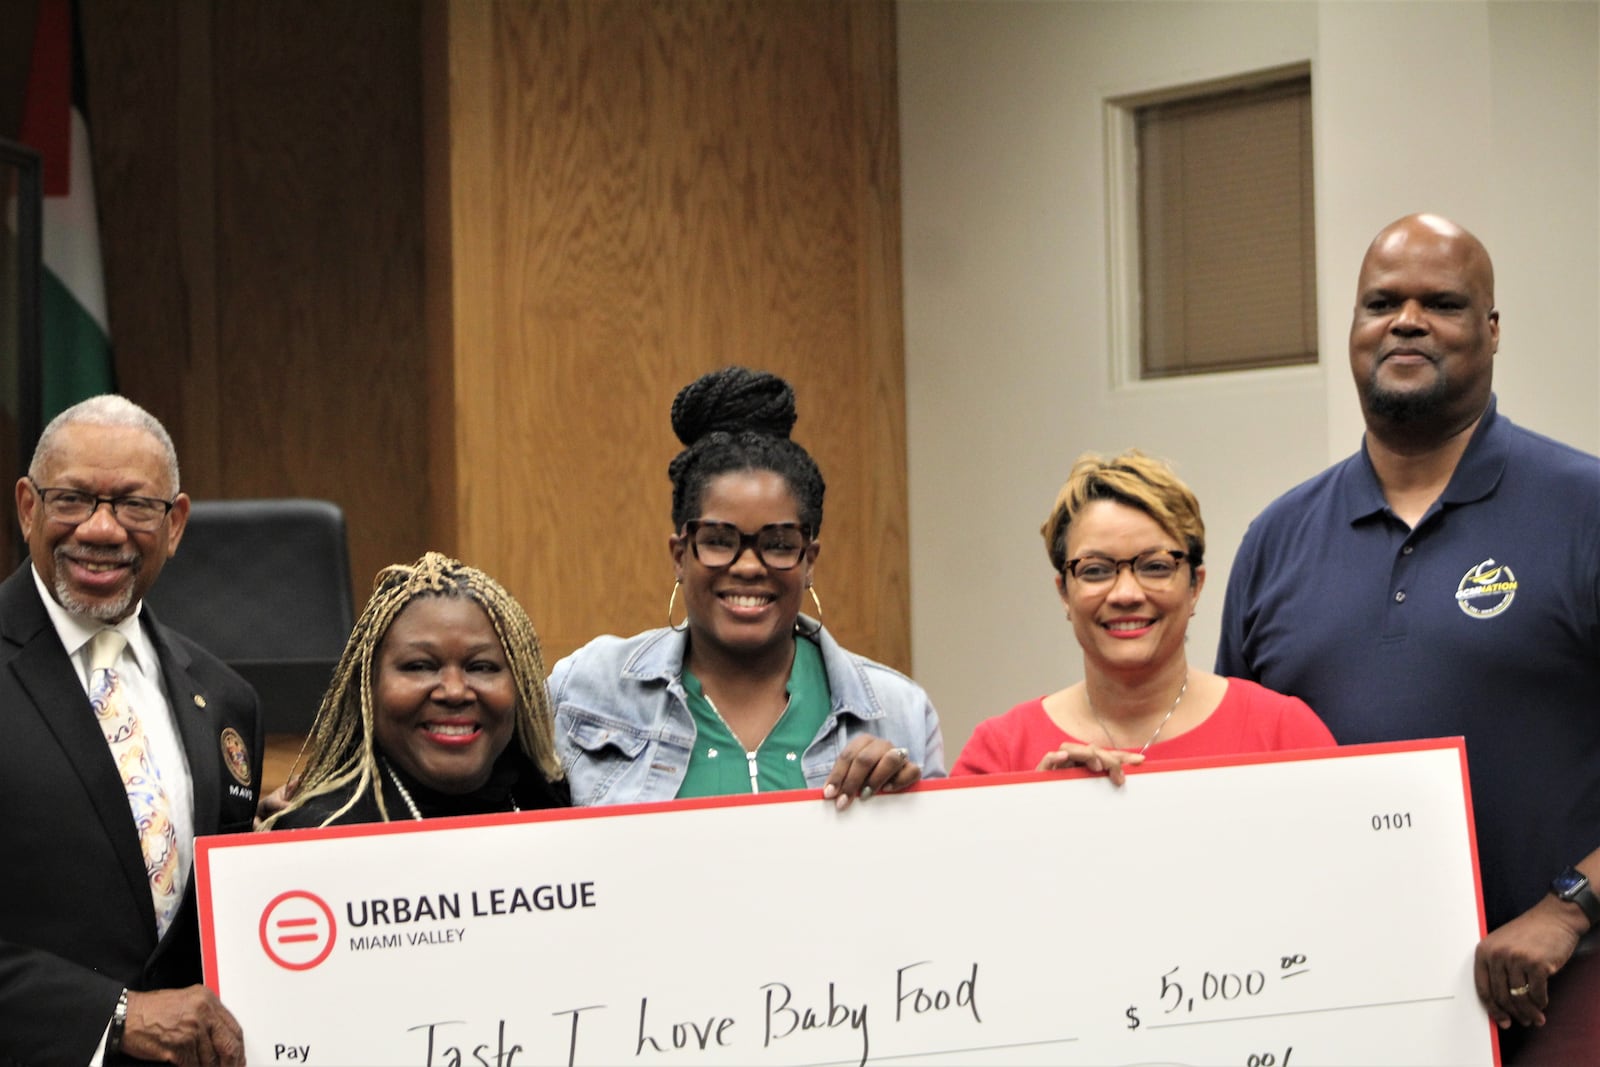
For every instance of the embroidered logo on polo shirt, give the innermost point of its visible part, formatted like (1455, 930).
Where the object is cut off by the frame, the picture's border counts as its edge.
(1486, 590)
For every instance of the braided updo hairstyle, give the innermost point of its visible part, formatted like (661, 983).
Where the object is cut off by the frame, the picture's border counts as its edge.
(340, 750)
(737, 419)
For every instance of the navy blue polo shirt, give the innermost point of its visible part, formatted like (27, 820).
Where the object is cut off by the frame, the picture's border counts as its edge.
(1483, 622)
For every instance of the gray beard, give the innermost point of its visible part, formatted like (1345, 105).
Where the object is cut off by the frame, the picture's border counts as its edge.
(104, 611)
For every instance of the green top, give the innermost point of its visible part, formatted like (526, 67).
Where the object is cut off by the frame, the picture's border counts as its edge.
(720, 766)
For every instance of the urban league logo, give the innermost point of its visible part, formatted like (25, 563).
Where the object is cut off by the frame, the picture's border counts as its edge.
(1486, 590)
(297, 930)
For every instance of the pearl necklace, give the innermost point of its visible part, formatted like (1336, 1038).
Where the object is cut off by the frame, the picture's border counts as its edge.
(405, 794)
(1182, 689)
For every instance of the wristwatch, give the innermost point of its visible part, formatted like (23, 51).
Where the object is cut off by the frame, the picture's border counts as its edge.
(119, 1023)
(1572, 886)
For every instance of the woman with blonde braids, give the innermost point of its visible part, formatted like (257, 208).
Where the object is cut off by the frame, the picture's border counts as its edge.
(1128, 549)
(437, 707)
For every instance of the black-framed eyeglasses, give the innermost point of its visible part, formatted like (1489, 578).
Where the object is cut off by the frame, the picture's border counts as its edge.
(74, 507)
(780, 546)
(1152, 569)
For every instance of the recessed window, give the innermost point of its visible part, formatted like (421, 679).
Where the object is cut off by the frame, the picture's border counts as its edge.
(1215, 184)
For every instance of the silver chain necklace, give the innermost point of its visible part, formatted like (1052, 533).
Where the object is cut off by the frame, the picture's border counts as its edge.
(1182, 689)
(405, 794)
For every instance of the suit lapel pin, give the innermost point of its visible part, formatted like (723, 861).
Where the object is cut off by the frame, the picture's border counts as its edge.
(199, 701)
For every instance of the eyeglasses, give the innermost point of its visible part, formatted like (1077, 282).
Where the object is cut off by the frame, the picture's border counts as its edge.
(141, 514)
(779, 545)
(1153, 569)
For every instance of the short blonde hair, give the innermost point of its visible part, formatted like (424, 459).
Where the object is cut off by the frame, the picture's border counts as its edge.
(340, 748)
(1137, 481)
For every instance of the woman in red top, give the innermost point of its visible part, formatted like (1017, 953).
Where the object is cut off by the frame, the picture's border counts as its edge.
(1127, 544)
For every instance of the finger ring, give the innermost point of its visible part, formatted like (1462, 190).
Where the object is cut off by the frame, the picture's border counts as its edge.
(902, 753)
(1519, 991)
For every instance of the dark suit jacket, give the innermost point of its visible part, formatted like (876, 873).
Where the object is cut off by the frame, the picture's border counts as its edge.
(76, 920)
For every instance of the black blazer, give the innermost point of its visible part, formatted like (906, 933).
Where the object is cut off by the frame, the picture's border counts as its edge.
(76, 920)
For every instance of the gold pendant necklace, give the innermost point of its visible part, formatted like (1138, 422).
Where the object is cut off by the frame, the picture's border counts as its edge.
(1182, 689)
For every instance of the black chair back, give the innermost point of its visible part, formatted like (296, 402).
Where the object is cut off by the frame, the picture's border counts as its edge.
(264, 585)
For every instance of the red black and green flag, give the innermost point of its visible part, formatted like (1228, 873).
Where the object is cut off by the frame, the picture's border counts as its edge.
(74, 337)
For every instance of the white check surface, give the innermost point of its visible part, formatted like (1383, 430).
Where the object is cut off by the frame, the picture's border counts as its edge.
(1273, 914)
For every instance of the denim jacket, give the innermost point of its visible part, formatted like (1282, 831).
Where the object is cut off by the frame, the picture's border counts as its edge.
(624, 731)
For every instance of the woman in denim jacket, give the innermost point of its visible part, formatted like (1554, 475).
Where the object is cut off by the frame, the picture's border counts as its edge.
(746, 695)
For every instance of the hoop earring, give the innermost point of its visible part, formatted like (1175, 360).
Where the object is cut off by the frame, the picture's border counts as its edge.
(813, 591)
(671, 601)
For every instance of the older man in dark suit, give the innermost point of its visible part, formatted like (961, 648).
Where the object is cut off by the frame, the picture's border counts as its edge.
(123, 741)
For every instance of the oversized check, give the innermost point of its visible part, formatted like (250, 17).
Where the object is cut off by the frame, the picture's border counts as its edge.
(1315, 909)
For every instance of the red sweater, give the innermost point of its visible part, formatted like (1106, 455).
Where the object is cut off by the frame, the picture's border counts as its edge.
(1249, 719)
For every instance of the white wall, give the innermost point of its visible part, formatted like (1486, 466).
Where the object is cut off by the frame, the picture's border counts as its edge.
(1483, 111)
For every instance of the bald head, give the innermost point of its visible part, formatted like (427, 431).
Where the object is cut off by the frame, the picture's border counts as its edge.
(1415, 233)
(1425, 330)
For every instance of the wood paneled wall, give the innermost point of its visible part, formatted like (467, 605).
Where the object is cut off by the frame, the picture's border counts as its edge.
(260, 186)
(639, 192)
(448, 263)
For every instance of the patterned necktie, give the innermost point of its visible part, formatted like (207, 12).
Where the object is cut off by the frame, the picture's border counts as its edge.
(148, 800)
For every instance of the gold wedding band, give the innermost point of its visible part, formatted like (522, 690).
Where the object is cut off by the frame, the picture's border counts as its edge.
(1518, 991)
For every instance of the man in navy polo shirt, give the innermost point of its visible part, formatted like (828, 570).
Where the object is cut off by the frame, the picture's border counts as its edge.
(1445, 580)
